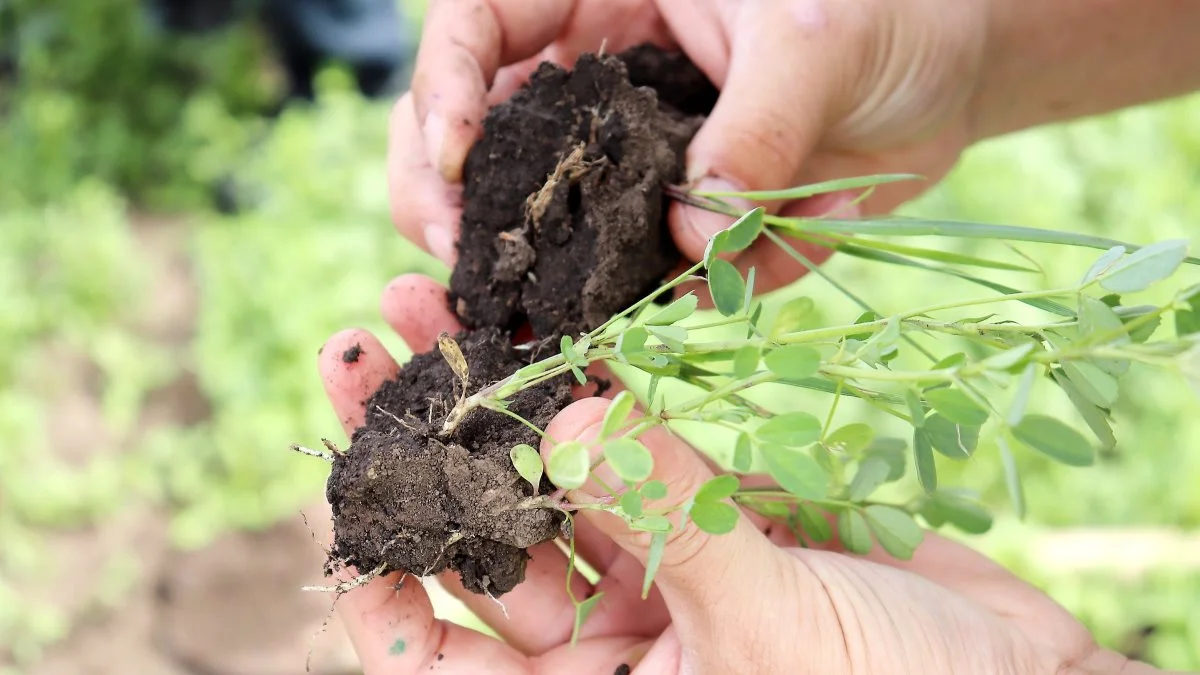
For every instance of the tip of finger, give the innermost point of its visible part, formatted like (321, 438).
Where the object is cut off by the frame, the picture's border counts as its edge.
(353, 364)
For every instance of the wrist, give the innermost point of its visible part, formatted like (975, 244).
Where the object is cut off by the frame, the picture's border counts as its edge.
(1051, 61)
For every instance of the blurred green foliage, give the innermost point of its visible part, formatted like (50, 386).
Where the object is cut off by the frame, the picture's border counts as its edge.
(96, 132)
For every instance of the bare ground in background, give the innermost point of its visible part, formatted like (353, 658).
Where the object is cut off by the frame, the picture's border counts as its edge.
(206, 612)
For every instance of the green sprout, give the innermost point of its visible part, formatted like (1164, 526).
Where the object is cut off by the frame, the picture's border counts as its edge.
(1083, 347)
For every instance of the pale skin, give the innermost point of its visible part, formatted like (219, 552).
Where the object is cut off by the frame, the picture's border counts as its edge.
(811, 90)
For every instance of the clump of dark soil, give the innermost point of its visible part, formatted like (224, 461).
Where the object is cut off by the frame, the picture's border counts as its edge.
(563, 196)
(563, 226)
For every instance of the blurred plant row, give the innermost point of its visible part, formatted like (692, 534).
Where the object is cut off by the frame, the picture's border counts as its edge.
(109, 129)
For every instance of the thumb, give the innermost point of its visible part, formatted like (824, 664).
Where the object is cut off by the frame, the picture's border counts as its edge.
(697, 570)
(769, 117)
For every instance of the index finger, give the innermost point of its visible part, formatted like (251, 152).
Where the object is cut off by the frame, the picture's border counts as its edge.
(463, 44)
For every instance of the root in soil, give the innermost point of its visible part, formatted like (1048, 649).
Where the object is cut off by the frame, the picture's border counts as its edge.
(563, 226)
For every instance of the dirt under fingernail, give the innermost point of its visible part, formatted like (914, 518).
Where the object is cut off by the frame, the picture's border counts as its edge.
(563, 225)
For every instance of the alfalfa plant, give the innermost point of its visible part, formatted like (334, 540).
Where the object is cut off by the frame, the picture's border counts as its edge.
(1083, 348)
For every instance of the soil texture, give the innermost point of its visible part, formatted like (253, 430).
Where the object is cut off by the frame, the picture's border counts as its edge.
(405, 496)
(563, 203)
(563, 226)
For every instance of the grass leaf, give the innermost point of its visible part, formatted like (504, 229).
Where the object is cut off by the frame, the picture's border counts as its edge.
(805, 191)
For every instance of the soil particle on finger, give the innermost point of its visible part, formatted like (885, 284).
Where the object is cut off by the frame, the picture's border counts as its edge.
(351, 355)
(564, 214)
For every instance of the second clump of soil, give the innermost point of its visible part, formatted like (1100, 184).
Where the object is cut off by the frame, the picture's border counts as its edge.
(563, 226)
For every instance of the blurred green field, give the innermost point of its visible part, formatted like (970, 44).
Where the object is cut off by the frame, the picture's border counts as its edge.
(94, 156)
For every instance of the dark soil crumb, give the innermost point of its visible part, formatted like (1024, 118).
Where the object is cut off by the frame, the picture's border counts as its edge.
(405, 496)
(351, 355)
(563, 226)
(622, 669)
(563, 219)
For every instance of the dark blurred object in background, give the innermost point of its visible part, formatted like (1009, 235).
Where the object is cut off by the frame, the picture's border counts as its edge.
(369, 36)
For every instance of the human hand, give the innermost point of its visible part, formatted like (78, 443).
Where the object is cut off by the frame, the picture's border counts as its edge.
(811, 90)
(751, 600)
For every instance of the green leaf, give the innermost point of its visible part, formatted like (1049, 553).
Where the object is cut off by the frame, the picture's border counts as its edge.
(792, 430)
(678, 310)
(743, 232)
(749, 292)
(717, 488)
(745, 362)
(671, 336)
(923, 458)
(569, 465)
(1187, 321)
(1008, 358)
(881, 256)
(791, 316)
(1096, 418)
(894, 225)
(896, 530)
(793, 361)
(1012, 478)
(567, 348)
(752, 328)
(743, 457)
(632, 340)
(1103, 264)
(629, 459)
(915, 409)
(617, 413)
(1098, 319)
(851, 439)
(805, 191)
(854, 532)
(631, 503)
(813, 523)
(714, 517)
(658, 542)
(1055, 440)
(882, 345)
(579, 376)
(727, 287)
(966, 514)
(956, 441)
(891, 451)
(654, 489)
(1096, 385)
(1146, 266)
(582, 611)
(528, 463)
(796, 471)
(872, 472)
(651, 523)
(953, 361)
(957, 407)
(937, 255)
(1021, 398)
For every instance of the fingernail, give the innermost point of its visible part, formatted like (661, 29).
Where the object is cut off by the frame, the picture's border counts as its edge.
(439, 241)
(434, 131)
(706, 223)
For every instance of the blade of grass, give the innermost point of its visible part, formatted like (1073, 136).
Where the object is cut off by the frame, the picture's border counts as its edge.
(910, 226)
(804, 191)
